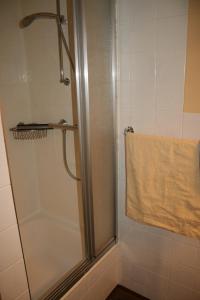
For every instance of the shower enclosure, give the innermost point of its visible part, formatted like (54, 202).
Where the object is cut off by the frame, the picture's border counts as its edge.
(57, 96)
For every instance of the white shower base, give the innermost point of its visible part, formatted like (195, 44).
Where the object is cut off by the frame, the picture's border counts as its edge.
(52, 247)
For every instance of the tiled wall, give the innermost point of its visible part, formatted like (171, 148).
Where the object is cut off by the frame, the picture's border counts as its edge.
(30, 91)
(151, 53)
(50, 102)
(15, 107)
(96, 284)
(154, 262)
(13, 284)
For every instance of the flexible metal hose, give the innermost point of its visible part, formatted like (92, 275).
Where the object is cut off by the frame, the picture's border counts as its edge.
(64, 131)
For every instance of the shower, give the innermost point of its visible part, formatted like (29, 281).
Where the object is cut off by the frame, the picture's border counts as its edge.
(60, 19)
(34, 130)
(58, 112)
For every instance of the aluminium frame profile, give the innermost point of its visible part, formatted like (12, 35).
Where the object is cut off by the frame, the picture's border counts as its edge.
(84, 126)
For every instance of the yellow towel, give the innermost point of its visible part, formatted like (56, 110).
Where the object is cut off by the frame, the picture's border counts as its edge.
(163, 182)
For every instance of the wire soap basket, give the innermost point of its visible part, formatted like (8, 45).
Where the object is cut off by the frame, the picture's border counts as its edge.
(34, 131)
(30, 131)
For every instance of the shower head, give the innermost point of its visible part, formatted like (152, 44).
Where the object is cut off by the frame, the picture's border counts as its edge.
(60, 19)
(26, 21)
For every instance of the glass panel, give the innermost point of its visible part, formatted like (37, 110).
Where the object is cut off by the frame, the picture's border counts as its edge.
(99, 28)
(48, 201)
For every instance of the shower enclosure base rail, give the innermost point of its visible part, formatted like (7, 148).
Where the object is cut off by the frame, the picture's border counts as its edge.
(76, 274)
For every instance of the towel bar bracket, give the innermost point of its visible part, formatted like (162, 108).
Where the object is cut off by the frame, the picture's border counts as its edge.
(128, 129)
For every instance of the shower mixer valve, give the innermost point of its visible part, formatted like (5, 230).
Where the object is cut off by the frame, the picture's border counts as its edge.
(35, 131)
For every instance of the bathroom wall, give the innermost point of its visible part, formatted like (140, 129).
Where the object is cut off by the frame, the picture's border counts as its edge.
(51, 101)
(96, 284)
(30, 91)
(15, 106)
(151, 59)
(13, 284)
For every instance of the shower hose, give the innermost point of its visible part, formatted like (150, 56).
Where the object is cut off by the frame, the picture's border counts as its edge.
(64, 133)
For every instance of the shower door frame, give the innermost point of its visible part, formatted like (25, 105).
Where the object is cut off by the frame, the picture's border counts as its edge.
(82, 91)
(83, 103)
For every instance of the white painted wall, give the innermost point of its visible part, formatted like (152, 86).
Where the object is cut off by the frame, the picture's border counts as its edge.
(151, 58)
(30, 91)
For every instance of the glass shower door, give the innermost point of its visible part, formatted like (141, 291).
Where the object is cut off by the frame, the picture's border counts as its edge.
(59, 103)
(99, 21)
(48, 201)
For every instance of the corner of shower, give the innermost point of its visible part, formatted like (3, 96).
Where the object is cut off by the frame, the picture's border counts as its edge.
(63, 173)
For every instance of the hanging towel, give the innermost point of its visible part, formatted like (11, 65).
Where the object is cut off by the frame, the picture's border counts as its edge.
(163, 182)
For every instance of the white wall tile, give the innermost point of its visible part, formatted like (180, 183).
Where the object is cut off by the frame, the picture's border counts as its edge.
(186, 276)
(156, 287)
(184, 254)
(11, 247)
(24, 296)
(129, 283)
(13, 281)
(7, 212)
(126, 66)
(12, 273)
(4, 176)
(145, 38)
(191, 125)
(180, 292)
(168, 122)
(171, 8)
(143, 8)
(170, 81)
(103, 286)
(125, 39)
(171, 35)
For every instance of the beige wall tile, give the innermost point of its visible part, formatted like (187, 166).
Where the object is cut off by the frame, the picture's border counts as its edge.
(152, 102)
